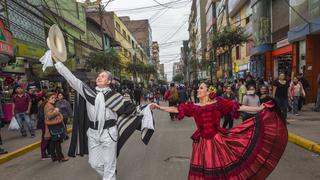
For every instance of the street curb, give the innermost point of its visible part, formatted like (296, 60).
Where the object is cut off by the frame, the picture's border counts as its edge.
(304, 143)
(24, 150)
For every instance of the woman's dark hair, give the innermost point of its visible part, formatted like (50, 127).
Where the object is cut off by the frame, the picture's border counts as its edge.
(242, 80)
(61, 94)
(172, 85)
(207, 83)
(249, 76)
(261, 86)
(251, 85)
(48, 95)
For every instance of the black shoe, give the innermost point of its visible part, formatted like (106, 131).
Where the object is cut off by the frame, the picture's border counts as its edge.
(32, 135)
(63, 160)
(2, 151)
(66, 138)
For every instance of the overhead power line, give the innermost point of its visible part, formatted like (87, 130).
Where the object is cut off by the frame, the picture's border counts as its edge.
(161, 4)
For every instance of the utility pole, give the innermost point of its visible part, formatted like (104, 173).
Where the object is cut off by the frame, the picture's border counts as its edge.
(101, 26)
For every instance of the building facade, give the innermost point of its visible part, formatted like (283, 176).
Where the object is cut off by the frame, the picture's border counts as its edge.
(29, 38)
(201, 39)
(241, 15)
(142, 32)
(211, 26)
(192, 44)
(304, 34)
(122, 41)
(156, 57)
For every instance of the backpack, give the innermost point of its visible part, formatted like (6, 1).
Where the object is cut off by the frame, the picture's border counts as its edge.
(174, 96)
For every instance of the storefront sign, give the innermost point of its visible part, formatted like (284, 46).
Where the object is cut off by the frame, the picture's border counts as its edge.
(243, 67)
(28, 50)
(17, 67)
(5, 40)
(282, 43)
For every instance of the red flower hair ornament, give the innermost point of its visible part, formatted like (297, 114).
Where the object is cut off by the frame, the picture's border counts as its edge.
(212, 92)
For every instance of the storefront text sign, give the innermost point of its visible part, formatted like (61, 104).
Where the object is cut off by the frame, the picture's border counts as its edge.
(5, 40)
(28, 50)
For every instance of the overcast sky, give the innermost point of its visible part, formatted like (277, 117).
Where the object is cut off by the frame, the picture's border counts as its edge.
(165, 22)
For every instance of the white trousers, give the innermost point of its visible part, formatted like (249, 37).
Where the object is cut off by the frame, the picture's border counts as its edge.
(103, 152)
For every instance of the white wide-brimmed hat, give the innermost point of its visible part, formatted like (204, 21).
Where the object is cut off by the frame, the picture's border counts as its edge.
(56, 44)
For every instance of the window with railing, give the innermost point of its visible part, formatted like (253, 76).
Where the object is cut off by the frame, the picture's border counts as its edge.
(118, 27)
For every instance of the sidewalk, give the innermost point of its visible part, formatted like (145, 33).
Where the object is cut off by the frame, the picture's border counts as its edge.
(12, 140)
(16, 145)
(307, 124)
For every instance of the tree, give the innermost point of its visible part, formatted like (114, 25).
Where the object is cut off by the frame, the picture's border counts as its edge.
(109, 60)
(148, 70)
(145, 70)
(229, 38)
(178, 78)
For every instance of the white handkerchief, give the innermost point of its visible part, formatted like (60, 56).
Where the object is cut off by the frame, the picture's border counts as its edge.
(46, 60)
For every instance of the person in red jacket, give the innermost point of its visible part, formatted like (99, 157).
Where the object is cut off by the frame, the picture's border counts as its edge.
(172, 97)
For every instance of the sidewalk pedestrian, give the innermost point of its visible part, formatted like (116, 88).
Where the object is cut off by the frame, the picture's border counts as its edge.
(21, 110)
(137, 95)
(172, 97)
(195, 89)
(306, 87)
(34, 105)
(228, 120)
(1, 119)
(264, 94)
(250, 81)
(280, 94)
(65, 109)
(242, 90)
(250, 99)
(2, 151)
(317, 108)
(55, 129)
(183, 97)
(45, 140)
(296, 92)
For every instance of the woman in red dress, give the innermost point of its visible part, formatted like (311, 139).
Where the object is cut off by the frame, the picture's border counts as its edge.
(250, 150)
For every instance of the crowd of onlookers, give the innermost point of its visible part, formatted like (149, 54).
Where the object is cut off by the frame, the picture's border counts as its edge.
(50, 110)
(45, 110)
(289, 94)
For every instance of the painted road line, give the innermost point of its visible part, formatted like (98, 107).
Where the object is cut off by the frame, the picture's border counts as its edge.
(305, 143)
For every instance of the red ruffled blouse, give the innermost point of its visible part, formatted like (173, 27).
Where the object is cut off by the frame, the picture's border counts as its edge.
(207, 117)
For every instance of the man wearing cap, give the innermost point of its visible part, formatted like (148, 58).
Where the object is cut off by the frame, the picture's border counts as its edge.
(21, 109)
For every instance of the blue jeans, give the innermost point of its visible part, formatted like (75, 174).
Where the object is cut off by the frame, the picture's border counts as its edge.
(20, 117)
(295, 104)
(318, 101)
(283, 105)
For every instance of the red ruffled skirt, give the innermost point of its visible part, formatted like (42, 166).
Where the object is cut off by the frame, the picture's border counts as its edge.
(251, 150)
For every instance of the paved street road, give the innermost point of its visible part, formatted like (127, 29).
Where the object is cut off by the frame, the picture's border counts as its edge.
(165, 158)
